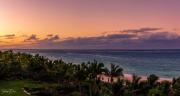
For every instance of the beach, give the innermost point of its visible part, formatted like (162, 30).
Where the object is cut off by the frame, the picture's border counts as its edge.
(128, 77)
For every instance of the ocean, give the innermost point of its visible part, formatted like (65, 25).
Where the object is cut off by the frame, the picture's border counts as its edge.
(164, 63)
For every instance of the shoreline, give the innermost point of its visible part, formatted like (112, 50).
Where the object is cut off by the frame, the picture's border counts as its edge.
(106, 78)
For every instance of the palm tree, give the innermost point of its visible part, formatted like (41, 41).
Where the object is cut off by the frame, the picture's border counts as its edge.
(81, 74)
(176, 86)
(95, 69)
(15, 69)
(135, 82)
(118, 88)
(152, 80)
(115, 71)
(99, 88)
(3, 70)
(165, 88)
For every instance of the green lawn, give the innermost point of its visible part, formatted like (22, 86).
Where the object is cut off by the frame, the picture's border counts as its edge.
(14, 88)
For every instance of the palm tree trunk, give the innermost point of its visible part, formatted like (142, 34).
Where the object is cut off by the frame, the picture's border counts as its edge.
(80, 89)
(111, 79)
(90, 91)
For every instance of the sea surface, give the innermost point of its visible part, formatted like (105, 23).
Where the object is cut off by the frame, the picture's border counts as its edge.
(164, 63)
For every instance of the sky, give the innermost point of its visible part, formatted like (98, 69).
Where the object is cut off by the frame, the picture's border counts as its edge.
(90, 24)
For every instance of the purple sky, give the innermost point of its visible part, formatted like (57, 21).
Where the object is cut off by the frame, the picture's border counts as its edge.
(86, 24)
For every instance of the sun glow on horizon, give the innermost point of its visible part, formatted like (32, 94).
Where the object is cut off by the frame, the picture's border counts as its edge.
(82, 19)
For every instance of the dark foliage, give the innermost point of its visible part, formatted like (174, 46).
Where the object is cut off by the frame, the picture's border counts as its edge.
(79, 79)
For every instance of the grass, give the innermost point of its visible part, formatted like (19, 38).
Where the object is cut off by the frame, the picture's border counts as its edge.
(14, 88)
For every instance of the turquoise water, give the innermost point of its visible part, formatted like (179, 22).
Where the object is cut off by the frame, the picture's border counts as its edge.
(164, 63)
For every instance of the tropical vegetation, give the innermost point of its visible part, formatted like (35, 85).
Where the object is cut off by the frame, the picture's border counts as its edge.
(58, 78)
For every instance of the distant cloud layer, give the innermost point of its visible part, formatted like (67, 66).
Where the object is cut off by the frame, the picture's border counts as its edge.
(10, 36)
(147, 29)
(33, 37)
(142, 38)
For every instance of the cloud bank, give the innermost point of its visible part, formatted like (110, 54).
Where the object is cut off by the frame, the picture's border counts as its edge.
(9, 36)
(142, 38)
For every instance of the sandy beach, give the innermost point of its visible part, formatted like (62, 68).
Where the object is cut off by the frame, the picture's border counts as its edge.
(105, 78)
